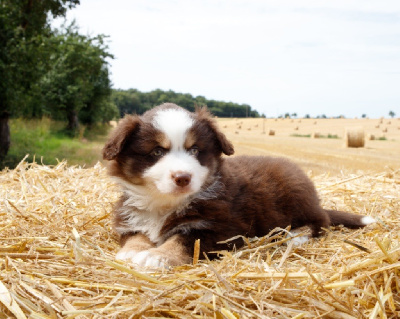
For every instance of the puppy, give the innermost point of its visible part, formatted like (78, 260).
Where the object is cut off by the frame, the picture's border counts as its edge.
(177, 188)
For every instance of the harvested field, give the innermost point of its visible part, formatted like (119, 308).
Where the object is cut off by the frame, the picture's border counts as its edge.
(57, 249)
(323, 154)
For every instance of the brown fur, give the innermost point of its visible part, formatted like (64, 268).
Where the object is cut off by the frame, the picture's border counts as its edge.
(254, 194)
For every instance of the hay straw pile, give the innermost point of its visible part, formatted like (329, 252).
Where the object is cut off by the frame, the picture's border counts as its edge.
(354, 137)
(57, 248)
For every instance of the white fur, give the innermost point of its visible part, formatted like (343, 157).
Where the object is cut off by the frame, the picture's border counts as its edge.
(298, 240)
(148, 259)
(146, 211)
(174, 123)
(148, 198)
(161, 173)
(148, 223)
(126, 254)
(367, 220)
(144, 258)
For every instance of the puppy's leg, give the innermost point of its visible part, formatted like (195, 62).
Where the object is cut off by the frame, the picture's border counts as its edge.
(173, 252)
(320, 220)
(133, 245)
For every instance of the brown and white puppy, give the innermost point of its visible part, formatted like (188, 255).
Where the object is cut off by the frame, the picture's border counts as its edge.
(177, 188)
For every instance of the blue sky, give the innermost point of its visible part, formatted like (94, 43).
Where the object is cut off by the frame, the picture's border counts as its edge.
(305, 57)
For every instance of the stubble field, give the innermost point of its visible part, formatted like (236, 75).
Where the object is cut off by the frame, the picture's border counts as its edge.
(319, 155)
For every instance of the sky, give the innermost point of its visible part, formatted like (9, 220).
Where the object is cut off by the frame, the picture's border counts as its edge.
(313, 57)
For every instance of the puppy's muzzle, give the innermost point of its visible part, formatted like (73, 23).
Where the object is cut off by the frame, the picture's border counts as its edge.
(181, 179)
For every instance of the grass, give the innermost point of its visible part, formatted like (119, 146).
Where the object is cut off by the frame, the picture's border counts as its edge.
(300, 135)
(320, 136)
(47, 142)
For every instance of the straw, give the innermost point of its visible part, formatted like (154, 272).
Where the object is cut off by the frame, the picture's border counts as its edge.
(57, 253)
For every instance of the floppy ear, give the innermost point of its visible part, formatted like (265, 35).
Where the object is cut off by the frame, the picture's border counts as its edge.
(205, 116)
(118, 136)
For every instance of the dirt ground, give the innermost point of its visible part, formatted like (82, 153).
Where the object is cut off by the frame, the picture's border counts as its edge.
(319, 155)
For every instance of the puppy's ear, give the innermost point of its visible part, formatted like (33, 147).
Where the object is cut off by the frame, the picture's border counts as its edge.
(126, 127)
(205, 116)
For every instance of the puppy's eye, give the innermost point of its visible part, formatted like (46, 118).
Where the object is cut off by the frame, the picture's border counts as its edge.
(158, 152)
(194, 150)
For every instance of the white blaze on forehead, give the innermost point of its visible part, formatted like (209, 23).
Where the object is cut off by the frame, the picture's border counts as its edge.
(174, 123)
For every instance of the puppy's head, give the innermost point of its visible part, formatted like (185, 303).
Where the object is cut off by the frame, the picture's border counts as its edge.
(170, 150)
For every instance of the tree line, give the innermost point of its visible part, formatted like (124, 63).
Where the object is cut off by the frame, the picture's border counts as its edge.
(134, 101)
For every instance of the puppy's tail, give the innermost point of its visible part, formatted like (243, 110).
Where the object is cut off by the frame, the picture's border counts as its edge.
(349, 220)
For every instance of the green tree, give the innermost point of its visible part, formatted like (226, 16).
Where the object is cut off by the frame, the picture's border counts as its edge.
(78, 83)
(24, 24)
(392, 114)
(134, 101)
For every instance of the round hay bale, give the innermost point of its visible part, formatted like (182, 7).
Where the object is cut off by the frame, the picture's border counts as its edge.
(355, 137)
(316, 135)
(271, 132)
(371, 137)
(296, 128)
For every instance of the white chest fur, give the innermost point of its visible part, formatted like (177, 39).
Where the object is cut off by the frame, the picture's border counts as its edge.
(145, 223)
(144, 213)
(147, 214)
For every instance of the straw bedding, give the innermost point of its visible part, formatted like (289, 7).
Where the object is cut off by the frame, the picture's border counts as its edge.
(57, 248)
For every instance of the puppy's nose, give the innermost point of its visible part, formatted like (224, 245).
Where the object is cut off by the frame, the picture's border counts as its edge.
(182, 179)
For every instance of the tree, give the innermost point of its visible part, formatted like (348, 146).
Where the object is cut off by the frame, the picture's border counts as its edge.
(23, 27)
(78, 83)
(392, 114)
(134, 101)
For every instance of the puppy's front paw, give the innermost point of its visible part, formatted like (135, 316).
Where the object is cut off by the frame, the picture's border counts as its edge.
(171, 253)
(145, 258)
(125, 254)
(150, 259)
